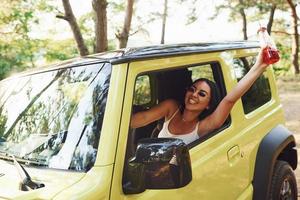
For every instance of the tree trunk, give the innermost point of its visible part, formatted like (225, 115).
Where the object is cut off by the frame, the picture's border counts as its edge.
(99, 7)
(123, 36)
(244, 18)
(271, 18)
(295, 37)
(70, 18)
(164, 19)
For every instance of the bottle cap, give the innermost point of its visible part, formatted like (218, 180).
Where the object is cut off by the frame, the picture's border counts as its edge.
(261, 29)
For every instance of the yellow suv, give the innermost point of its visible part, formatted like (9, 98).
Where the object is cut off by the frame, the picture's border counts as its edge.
(65, 134)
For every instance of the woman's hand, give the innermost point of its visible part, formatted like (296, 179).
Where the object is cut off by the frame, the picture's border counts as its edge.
(259, 60)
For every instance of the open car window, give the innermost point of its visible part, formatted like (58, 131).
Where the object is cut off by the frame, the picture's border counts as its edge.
(170, 84)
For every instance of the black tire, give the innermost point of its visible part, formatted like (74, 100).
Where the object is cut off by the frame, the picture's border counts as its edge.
(283, 185)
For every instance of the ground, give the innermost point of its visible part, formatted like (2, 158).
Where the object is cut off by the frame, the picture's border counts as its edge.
(289, 91)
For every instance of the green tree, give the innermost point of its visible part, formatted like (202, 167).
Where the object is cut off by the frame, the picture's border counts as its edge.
(18, 49)
(100, 19)
(164, 21)
(71, 19)
(237, 11)
(287, 54)
(124, 34)
(269, 7)
(295, 36)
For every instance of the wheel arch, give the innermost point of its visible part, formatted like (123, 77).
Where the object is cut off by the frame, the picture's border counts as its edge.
(278, 144)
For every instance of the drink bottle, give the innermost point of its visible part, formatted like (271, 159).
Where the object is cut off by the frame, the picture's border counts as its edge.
(270, 52)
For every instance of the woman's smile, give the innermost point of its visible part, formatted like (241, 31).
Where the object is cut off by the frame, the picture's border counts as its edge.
(192, 101)
(197, 96)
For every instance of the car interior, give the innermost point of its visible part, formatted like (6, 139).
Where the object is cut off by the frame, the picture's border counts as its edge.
(164, 85)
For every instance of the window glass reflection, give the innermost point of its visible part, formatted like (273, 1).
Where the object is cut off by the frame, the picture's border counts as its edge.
(260, 91)
(55, 118)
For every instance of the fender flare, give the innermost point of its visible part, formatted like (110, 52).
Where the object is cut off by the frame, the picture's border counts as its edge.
(278, 143)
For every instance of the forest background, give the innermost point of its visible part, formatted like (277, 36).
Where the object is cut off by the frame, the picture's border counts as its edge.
(35, 33)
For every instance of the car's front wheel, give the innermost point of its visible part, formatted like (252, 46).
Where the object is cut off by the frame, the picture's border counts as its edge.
(283, 185)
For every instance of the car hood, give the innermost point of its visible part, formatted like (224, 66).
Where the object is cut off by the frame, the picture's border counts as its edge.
(54, 181)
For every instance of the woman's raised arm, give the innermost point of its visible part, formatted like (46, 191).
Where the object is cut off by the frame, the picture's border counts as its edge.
(218, 117)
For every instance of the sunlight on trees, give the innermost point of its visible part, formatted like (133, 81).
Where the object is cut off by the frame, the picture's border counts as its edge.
(114, 21)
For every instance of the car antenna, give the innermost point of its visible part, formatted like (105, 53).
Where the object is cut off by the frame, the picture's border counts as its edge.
(26, 183)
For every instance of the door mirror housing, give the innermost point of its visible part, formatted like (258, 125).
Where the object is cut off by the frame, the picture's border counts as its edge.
(159, 163)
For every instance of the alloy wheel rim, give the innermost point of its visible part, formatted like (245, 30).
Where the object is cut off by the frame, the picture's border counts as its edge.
(286, 190)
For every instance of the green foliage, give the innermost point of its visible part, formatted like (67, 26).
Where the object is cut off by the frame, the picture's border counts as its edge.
(46, 5)
(86, 24)
(284, 65)
(16, 56)
(283, 41)
(142, 93)
(111, 45)
(16, 46)
(19, 50)
(116, 6)
(60, 50)
(204, 71)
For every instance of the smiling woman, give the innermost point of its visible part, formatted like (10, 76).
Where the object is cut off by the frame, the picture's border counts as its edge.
(201, 111)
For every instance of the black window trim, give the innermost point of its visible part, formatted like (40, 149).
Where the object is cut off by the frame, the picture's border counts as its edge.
(218, 78)
(243, 60)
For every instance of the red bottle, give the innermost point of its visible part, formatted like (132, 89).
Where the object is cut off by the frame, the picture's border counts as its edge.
(270, 52)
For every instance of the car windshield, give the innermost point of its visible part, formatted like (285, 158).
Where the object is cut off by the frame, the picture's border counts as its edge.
(54, 118)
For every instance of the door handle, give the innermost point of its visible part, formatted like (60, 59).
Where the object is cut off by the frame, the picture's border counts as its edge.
(233, 154)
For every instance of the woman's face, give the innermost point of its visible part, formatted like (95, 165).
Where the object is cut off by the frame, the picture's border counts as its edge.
(197, 97)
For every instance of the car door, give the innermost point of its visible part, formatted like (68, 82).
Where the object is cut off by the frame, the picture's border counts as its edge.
(218, 162)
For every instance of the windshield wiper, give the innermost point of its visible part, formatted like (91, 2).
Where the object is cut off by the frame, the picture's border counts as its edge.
(26, 182)
(36, 162)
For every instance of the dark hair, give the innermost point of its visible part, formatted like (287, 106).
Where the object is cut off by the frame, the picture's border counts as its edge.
(215, 97)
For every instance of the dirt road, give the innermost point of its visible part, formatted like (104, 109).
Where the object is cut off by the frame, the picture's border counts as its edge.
(290, 99)
(291, 106)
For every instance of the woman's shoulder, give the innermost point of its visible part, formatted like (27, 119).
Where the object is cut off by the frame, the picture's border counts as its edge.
(171, 103)
(172, 106)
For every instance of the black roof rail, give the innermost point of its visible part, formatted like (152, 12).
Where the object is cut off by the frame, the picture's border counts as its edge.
(140, 53)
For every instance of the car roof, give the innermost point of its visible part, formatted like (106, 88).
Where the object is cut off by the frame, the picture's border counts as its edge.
(148, 52)
(142, 53)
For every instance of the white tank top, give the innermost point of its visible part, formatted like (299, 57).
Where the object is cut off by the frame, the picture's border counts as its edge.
(187, 138)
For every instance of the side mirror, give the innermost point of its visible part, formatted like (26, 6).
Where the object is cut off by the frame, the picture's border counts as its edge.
(159, 163)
